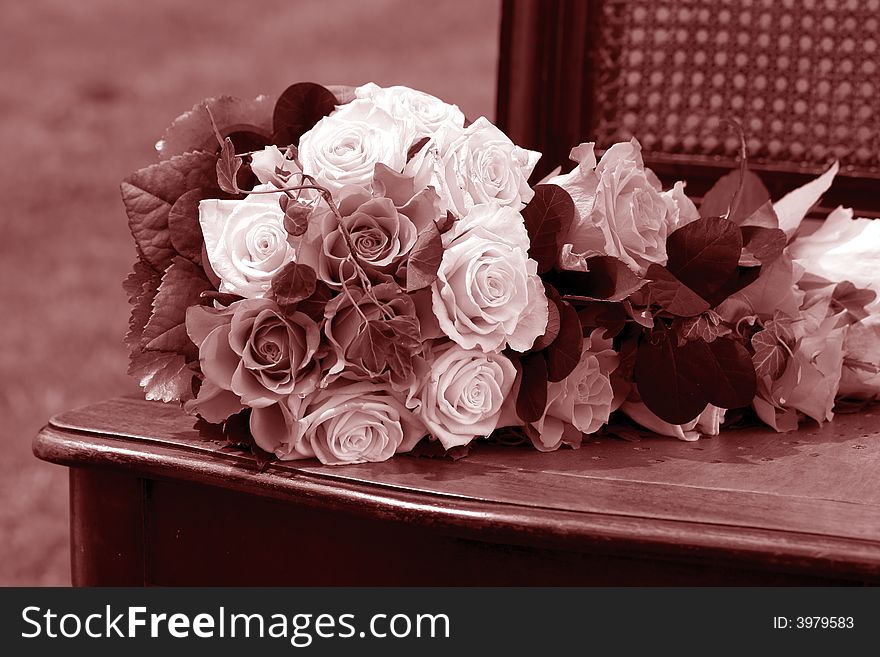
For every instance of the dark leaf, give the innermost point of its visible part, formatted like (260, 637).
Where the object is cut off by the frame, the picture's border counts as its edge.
(853, 299)
(433, 449)
(228, 165)
(564, 353)
(314, 305)
(297, 111)
(292, 284)
(237, 432)
(743, 277)
(761, 245)
(676, 382)
(296, 215)
(607, 279)
(223, 298)
(193, 130)
(386, 345)
(704, 254)
(672, 295)
(183, 225)
(717, 201)
(552, 330)
(531, 401)
(446, 223)
(597, 314)
(548, 217)
(149, 195)
(424, 259)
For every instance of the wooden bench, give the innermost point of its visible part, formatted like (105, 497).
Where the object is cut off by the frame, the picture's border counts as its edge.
(153, 503)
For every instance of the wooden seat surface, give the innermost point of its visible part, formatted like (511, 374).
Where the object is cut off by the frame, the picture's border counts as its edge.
(805, 502)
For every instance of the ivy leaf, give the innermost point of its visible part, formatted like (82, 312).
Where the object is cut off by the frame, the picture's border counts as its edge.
(770, 356)
(548, 217)
(531, 400)
(297, 111)
(296, 215)
(149, 195)
(677, 381)
(606, 279)
(292, 284)
(164, 376)
(181, 287)
(564, 353)
(424, 259)
(228, 165)
(672, 295)
(386, 345)
(184, 228)
(141, 286)
(704, 254)
(707, 326)
(193, 131)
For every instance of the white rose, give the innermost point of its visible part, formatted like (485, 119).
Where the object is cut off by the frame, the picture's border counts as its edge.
(488, 293)
(474, 165)
(245, 241)
(708, 422)
(621, 209)
(583, 399)
(271, 166)
(344, 148)
(427, 113)
(462, 394)
(350, 423)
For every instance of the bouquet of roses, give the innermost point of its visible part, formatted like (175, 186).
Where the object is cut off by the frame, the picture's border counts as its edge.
(345, 274)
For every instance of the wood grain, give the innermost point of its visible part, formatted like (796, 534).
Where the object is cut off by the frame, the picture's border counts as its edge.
(807, 501)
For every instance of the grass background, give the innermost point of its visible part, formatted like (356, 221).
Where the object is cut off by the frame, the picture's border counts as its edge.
(87, 89)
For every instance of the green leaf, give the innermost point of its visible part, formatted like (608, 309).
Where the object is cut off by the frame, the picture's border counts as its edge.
(164, 376)
(770, 356)
(564, 353)
(149, 195)
(296, 215)
(141, 286)
(228, 165)
(294, 283)
(548, 217)
(707, 326)
(297, 111)
(386, 345)
(424, 259)
(184, 228)
(193, 131)
(606, 279)
(181, 287)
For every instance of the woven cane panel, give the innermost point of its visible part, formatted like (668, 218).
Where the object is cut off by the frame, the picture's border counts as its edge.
(801, 76)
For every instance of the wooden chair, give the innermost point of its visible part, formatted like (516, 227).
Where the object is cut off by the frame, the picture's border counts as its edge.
(153, 503)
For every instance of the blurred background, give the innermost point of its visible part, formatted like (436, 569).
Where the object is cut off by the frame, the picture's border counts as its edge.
(87, 89)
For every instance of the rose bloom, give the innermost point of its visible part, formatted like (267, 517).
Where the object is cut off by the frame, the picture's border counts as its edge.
(460, 396)
(427, 113)
(488, 294)
(251, 354)
(621, 208)
(342, 424)
(381, 233)
(847, 249)
(583, 399)
(245, 241)
(344, 147)
(475, 165)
